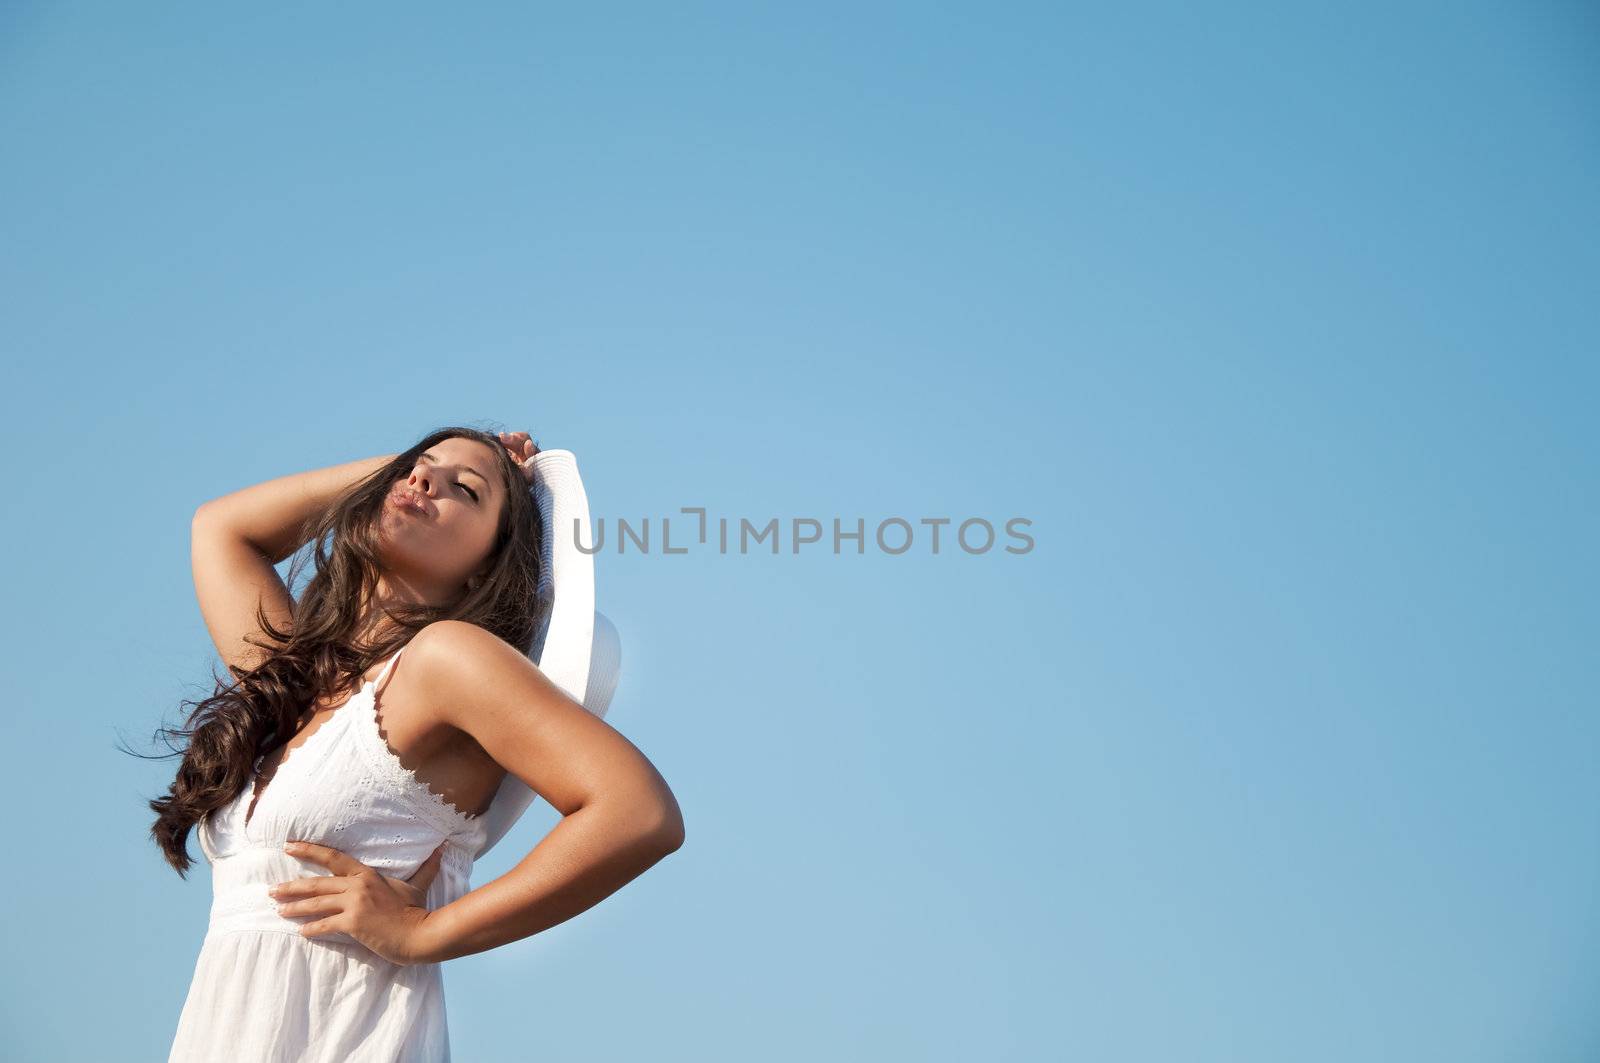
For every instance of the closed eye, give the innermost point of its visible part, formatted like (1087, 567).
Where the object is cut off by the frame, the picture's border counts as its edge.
(468, 490)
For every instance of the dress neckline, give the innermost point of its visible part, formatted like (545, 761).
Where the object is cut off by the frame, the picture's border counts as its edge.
(257, 791)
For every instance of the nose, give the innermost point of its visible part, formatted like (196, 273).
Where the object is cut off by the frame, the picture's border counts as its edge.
(421, 482)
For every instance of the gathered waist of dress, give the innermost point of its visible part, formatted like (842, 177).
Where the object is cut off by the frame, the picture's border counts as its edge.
(239, 884)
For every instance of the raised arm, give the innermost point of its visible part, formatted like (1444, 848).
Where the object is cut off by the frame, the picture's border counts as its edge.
(235, 541)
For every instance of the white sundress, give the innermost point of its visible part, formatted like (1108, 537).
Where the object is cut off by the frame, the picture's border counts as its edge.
(264, 993)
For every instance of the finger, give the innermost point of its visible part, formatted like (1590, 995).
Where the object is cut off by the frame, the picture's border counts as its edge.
(321, 926)
(312, 906)
(338, 862)
(315, 886)
(520, 449)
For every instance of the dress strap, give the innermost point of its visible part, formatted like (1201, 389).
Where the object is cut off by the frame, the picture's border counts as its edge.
(388, 665)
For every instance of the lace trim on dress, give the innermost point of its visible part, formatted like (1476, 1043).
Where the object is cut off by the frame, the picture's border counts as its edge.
(386, 762)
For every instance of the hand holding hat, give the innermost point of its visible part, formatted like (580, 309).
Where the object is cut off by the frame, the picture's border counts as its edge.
(522, 449)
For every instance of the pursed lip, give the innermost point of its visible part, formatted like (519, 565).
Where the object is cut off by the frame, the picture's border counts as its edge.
(408, 500)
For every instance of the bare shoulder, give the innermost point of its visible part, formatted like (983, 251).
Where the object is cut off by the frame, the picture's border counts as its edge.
(480, 684)
(459, 641)
(463, 666)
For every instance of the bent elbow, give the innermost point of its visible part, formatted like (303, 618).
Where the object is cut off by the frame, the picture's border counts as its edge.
(673, 840)
(668, 831)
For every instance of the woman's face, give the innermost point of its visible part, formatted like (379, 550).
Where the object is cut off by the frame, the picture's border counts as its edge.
(439, 522)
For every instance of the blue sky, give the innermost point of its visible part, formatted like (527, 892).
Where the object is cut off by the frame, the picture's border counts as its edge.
(1277, 324)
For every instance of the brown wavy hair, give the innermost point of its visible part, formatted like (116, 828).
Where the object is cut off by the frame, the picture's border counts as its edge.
(321, 654)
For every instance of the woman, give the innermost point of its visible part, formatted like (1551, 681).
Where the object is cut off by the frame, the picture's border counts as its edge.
(339, 793)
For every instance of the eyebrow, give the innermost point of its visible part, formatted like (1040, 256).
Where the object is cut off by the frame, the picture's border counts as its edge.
(427, 456)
